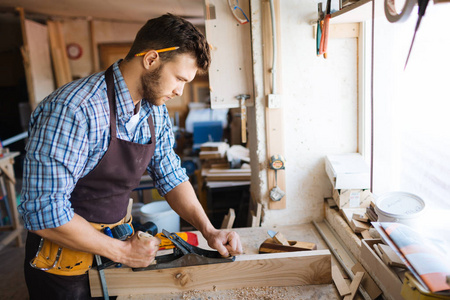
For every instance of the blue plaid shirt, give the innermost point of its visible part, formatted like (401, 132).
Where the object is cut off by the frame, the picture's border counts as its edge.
(69, 134)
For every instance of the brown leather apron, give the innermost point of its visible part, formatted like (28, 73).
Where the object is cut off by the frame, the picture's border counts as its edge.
(102, 196)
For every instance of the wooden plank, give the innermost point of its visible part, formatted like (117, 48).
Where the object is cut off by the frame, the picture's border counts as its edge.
(339, 281)
(367, 282)
(275, 269)
(358, 226)
(210, 154)
(270, 246)
(60, 60)
(347, 258)
(229, 171)
(37, 63)
(360, 217)
(231, 54)
(384, 276)
(280, 239)
(228, 220)
(274, 116)
(256, 219)
(231, 177)
(340, 31)
(25, 51)
(354, 286)
(366, 234)
(377, 251)
(343, 230)
(390, 257)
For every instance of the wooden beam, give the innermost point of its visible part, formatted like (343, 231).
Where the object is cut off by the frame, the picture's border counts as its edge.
(274, 269)
(256, 217)
(94, 49)
(339, 281)
(25, 50)
(228, 220)
(354, 285)
(274, 116)
(367, 282)
(61, 65)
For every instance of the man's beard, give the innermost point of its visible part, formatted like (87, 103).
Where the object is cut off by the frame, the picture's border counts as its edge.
(150, 83)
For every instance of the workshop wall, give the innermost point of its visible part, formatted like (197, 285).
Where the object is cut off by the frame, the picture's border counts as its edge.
(78, 31)
(320, 100)
(320, 112)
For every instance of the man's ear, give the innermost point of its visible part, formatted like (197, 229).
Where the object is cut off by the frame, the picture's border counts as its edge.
(150, 58)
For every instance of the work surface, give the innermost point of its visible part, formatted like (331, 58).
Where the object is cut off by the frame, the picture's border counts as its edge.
(251, 240)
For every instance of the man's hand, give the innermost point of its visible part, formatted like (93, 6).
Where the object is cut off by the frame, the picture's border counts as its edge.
(227, 243)
(141, 249)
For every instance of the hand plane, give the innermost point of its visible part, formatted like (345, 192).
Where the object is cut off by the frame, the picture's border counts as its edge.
(185, 255)
(278, 243)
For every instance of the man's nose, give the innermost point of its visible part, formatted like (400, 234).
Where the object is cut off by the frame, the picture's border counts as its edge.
(179, 90)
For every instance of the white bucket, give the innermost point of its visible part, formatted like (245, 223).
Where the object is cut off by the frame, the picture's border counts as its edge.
(162, 215)
(399, 207)
(136, 211)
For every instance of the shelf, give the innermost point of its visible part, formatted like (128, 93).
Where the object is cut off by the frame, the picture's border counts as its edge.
(358, 12)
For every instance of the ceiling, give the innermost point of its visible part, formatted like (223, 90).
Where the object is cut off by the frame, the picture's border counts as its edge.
(117, 10)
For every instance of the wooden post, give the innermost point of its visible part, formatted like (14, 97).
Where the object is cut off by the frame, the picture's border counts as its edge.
(274, 116)
(94, 50)
(61, 65)
(26, 60)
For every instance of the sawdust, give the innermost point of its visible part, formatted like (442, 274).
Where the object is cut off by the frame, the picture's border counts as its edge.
(264, 293)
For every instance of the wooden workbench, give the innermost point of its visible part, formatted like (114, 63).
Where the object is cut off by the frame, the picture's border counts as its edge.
(251, 240)
(7, 174)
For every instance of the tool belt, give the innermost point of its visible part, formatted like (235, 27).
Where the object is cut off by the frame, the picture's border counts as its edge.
(54, 259)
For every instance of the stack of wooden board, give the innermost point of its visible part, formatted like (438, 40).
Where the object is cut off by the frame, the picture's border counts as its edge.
(349, 176)
(213, 153)
(226, 174)
(356, 219)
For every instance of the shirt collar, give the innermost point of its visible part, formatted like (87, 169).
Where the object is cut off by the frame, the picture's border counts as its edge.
(124, 103)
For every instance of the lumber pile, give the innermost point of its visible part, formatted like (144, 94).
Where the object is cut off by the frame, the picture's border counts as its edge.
(215, 164)
(226, 174)
(213, 153)
(349, 174)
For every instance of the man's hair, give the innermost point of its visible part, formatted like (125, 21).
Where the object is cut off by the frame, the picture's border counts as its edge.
(172, 31)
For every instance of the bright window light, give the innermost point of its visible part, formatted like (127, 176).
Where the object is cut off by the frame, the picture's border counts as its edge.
(412, 107)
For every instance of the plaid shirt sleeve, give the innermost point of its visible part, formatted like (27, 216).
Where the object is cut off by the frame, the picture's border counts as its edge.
(165, 166)
(56, 156)
(68, 135)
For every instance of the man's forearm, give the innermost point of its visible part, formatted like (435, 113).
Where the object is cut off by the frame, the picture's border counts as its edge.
(79, 235)
(185, 203)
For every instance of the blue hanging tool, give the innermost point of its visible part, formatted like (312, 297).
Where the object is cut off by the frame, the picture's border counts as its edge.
(319, 27)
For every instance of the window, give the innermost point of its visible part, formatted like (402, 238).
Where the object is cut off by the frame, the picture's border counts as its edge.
(412, 107)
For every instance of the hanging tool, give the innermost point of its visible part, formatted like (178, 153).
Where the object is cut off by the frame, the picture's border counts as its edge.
(238, 12)
(242, 98)
(319, 27)
(423, 4)
(277, 162)
(185, 255)
(325, 31)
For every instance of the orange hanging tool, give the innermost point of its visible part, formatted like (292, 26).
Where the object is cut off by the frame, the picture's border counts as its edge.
(325, 31)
